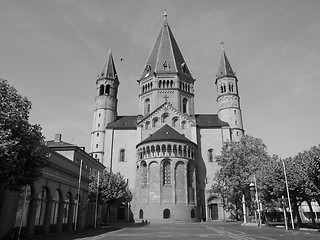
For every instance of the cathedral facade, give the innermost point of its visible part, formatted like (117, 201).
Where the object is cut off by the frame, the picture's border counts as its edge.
(166, 151)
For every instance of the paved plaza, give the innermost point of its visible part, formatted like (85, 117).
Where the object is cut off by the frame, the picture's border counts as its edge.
(185, 231)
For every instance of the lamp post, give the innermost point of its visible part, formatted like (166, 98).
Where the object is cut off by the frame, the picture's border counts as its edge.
(255, 199)
(252, 188)
(285, 178)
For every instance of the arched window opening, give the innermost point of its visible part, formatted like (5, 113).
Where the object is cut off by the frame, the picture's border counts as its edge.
(41, 207)
(148, 125)
(148, 151)
(185, 151)
(66, 208)
(166, 173)
(175, 122)
(101, 90)
(221, 89)
(144, 175)
(108, 89)
(184, 105)
(140, 214)
(160, 83)
(166, 213)
(180, 151)
(169, 150)
(158, 150)
(175, 151)
(122, 155)
(147, 106)
(165, 117)
(22, 213)
(183, 124)
(188, 88)
(171, 83)
(55, 207)
(163, 149)
(231, 87)
(152, 150)
(210, 155)
(224, 88)
(155, 122)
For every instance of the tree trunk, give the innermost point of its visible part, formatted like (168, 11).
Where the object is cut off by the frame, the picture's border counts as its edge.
(296, 211)
(314, 225)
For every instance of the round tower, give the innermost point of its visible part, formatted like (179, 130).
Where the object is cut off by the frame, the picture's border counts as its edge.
(105, 110)
(228, 98)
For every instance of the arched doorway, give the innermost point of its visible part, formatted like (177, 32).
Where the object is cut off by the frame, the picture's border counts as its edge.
(166, 213)
(213, 208)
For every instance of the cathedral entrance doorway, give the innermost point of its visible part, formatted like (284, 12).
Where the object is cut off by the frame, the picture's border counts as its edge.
(213, 211)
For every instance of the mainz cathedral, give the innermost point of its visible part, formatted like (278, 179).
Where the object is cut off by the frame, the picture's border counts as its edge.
(166, 151)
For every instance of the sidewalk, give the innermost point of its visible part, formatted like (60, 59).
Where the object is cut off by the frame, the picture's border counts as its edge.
(88, 232)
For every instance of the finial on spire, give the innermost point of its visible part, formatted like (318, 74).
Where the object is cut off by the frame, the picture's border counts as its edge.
(222, 45)
(165, 15)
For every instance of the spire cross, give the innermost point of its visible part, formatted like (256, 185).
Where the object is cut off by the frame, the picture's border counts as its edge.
(222, 45)
(165, 15)
(166, 97)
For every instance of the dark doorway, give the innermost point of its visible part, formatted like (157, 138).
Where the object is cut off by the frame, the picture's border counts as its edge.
(121, 212)
(166, 213)
(214, 211)
(141, 214)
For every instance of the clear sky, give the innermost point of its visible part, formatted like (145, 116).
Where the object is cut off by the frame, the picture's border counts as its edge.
(52, 52)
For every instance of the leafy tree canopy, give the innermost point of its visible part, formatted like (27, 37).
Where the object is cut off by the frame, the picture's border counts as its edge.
(22, 156)
(239, 161)
(112, 187)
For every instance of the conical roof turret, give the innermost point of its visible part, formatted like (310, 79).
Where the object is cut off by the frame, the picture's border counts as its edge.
(225, 69)
(165, 56)
(109, 69)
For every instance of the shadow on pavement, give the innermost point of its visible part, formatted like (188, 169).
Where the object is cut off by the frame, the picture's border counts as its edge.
(89, 232)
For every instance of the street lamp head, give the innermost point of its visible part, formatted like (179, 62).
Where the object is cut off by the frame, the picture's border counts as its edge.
(251, 186)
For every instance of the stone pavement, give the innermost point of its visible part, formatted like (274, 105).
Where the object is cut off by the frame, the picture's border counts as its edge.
(88, 232)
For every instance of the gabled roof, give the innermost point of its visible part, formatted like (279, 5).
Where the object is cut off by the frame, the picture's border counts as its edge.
(165, 56)
(225, 69)
(123, 122)
(109, 69)
(166, 105)
(209, 121)
(166, 133)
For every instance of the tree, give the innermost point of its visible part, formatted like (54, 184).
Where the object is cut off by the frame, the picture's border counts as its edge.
(112, 188)
(22, 155)
(239, 161)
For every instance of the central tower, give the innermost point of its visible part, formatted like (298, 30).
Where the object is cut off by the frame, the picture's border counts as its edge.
(166, 77)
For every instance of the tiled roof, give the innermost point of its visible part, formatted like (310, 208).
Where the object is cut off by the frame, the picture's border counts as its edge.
(225, 69)
(209, 121)
(165, 56)
(124, 122)
(52, 143)
(166, 133)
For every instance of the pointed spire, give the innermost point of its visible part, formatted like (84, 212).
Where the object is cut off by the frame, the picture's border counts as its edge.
(109, 69)
(225, 68)
(165, 56)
